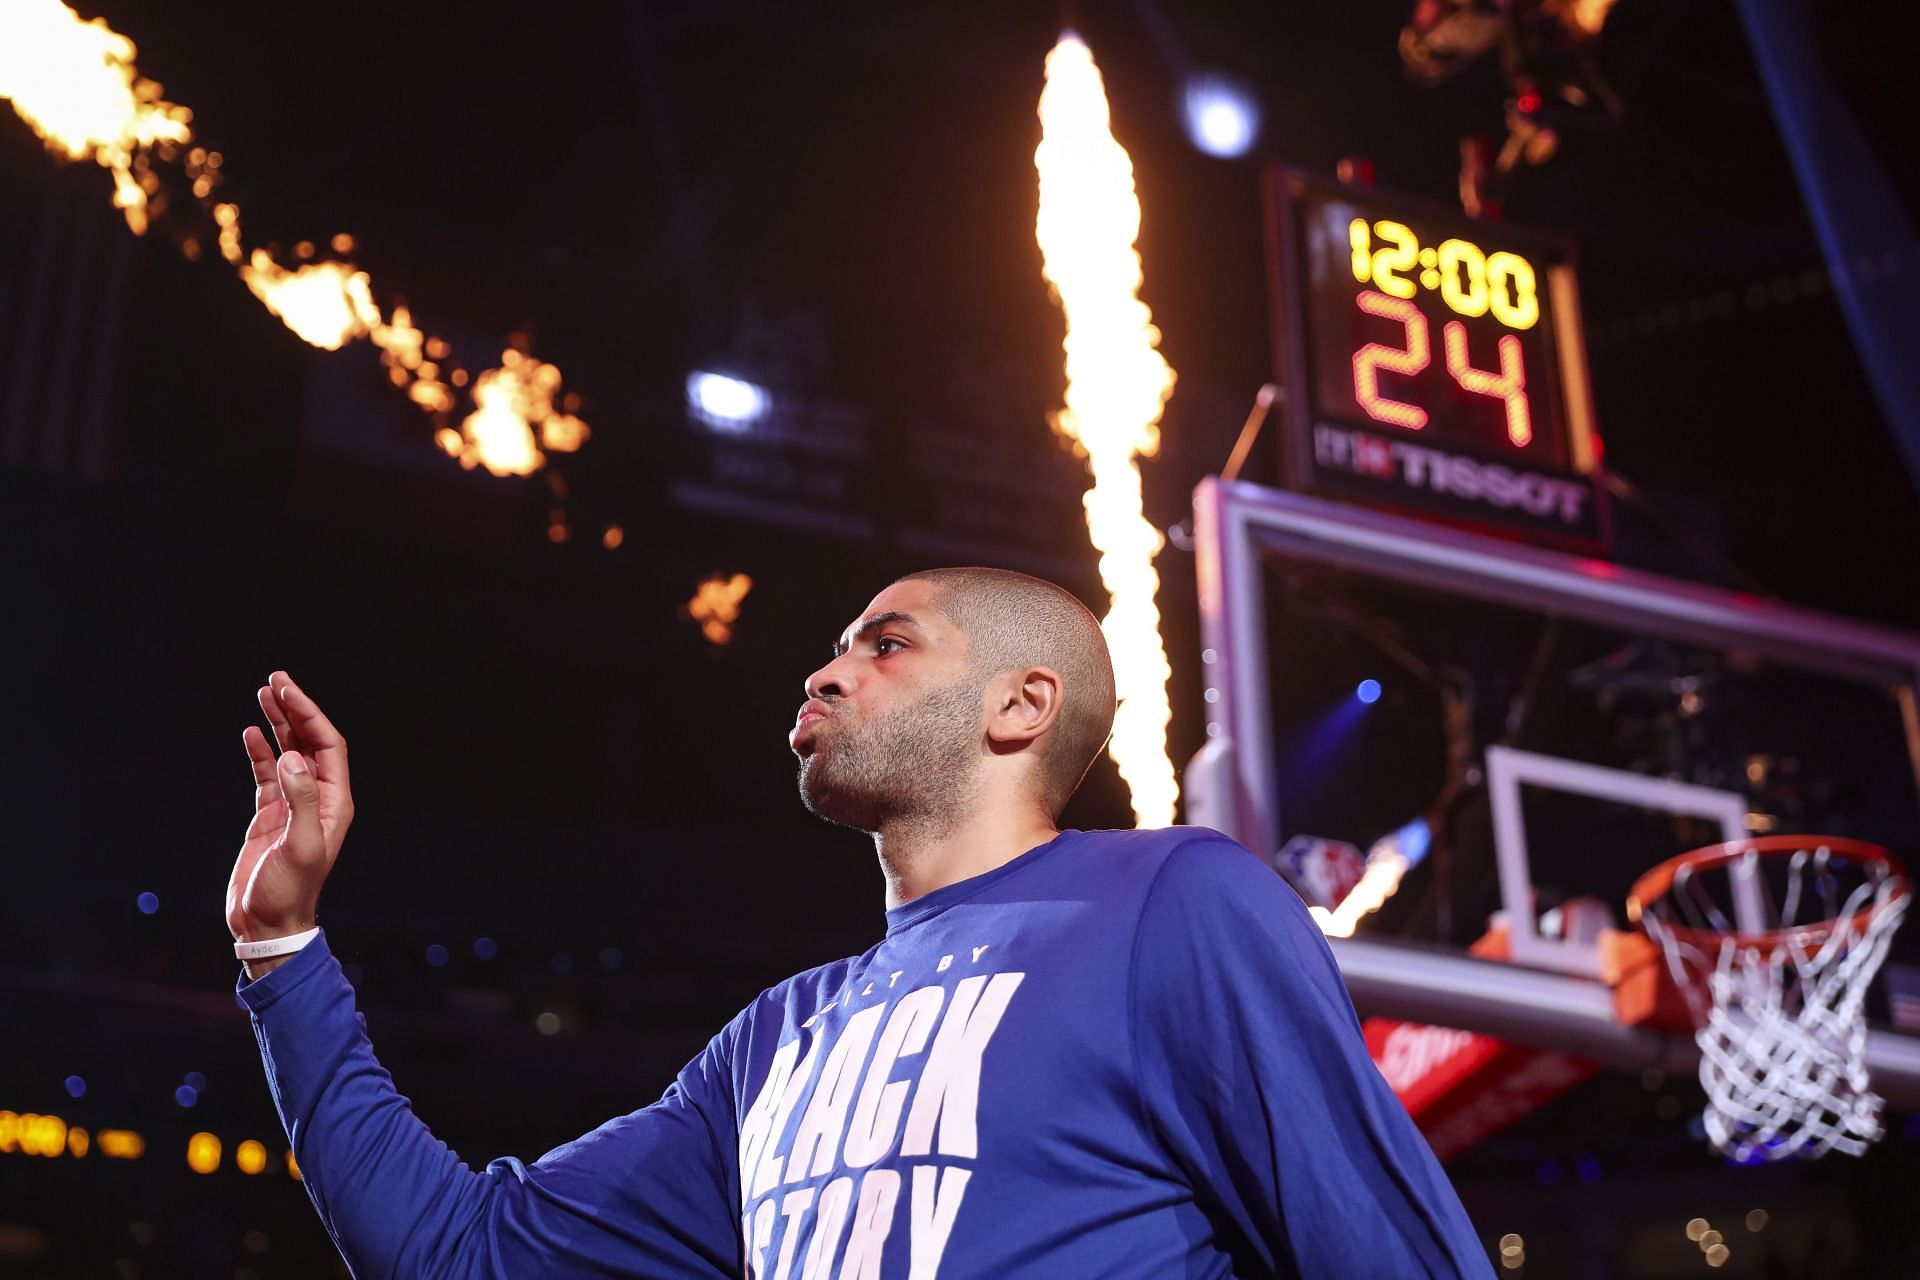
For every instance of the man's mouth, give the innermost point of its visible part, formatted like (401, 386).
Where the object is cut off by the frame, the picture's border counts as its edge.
(810, 714)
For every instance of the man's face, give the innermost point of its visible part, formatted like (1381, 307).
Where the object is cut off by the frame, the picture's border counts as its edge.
(892, 726)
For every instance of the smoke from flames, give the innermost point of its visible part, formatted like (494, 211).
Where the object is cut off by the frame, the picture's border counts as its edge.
(75, 84)
(1117, 385)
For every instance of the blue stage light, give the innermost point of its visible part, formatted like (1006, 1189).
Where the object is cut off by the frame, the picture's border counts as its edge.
(76, 1087)
(485, 948)
(1367, 691)
(726, 403)
(436, 955)
(148, 903)
(1223, 116)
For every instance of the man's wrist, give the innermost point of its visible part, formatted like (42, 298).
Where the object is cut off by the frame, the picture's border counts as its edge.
(262, 954)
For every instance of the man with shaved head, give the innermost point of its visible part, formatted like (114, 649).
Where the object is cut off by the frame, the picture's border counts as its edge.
(1011, 698)
(1072, 1054)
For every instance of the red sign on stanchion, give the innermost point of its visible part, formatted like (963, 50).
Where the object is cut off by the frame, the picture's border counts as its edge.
(1462, 1088)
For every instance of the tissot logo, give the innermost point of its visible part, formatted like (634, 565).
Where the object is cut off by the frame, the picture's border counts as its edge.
(1464, 482)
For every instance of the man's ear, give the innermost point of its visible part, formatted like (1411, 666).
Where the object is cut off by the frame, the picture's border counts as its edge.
(1024, 703)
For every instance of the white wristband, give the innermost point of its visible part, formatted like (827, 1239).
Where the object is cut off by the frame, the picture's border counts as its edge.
(275, 946)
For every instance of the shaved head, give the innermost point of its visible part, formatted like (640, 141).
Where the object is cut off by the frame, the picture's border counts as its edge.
(1013, 621)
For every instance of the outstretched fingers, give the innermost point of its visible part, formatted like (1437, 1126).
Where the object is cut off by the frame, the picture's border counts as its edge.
(310, 732)
(269, 820)
(283, 731)
(266, 780)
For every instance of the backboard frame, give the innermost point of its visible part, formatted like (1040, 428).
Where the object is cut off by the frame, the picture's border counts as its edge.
(1236, 522)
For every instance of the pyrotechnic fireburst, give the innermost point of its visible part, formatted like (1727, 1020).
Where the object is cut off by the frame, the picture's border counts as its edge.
(1117, 384)
(716, 605)
(513, 401)
(74, 82)
(1388, 862)
(76, 86)
(1588, 15)
(328, 304)
(1377, 884)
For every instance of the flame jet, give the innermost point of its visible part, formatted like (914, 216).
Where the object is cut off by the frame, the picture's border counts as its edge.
(1117, 385)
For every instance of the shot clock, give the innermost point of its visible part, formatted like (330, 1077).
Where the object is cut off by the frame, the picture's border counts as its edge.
(1433, 363)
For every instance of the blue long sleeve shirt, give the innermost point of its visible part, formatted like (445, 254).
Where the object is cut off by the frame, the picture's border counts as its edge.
(1121, 1054)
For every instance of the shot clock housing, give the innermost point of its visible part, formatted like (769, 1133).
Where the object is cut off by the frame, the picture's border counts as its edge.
(1434, 364)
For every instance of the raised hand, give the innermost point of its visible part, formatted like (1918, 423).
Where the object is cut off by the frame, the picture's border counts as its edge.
(302, 806)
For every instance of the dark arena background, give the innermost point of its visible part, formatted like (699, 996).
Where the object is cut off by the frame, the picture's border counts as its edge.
(777, 331)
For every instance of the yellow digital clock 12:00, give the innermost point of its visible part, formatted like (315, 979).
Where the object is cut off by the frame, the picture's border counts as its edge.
(1471, 281)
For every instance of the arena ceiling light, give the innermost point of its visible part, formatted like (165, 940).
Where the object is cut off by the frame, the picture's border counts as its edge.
(724, 402)
(1223, 115)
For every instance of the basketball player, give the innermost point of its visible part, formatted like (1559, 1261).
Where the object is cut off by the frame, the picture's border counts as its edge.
(1073, 1054)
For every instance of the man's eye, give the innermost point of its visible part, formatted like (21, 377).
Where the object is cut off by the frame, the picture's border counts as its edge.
(880, 646)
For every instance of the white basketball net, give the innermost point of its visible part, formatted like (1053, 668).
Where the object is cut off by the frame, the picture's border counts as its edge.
(1782, 1030)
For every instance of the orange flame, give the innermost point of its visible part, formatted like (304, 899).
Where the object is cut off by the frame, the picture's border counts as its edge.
(1117, 384)
(75, 85)
(496, 435)
(327, 304)
(404, 350)
(513, 401)
(1384, 870)
(716, 605)
(1586, 16)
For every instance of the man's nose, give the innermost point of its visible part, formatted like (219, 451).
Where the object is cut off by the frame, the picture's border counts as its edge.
(830, 681)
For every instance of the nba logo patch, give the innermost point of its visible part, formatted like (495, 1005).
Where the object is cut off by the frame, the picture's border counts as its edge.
(1321, 871)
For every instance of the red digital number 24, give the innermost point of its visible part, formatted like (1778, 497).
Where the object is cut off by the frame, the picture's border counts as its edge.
(1508, 384)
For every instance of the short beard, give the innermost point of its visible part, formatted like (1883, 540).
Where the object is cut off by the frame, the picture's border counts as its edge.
(916, 766)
